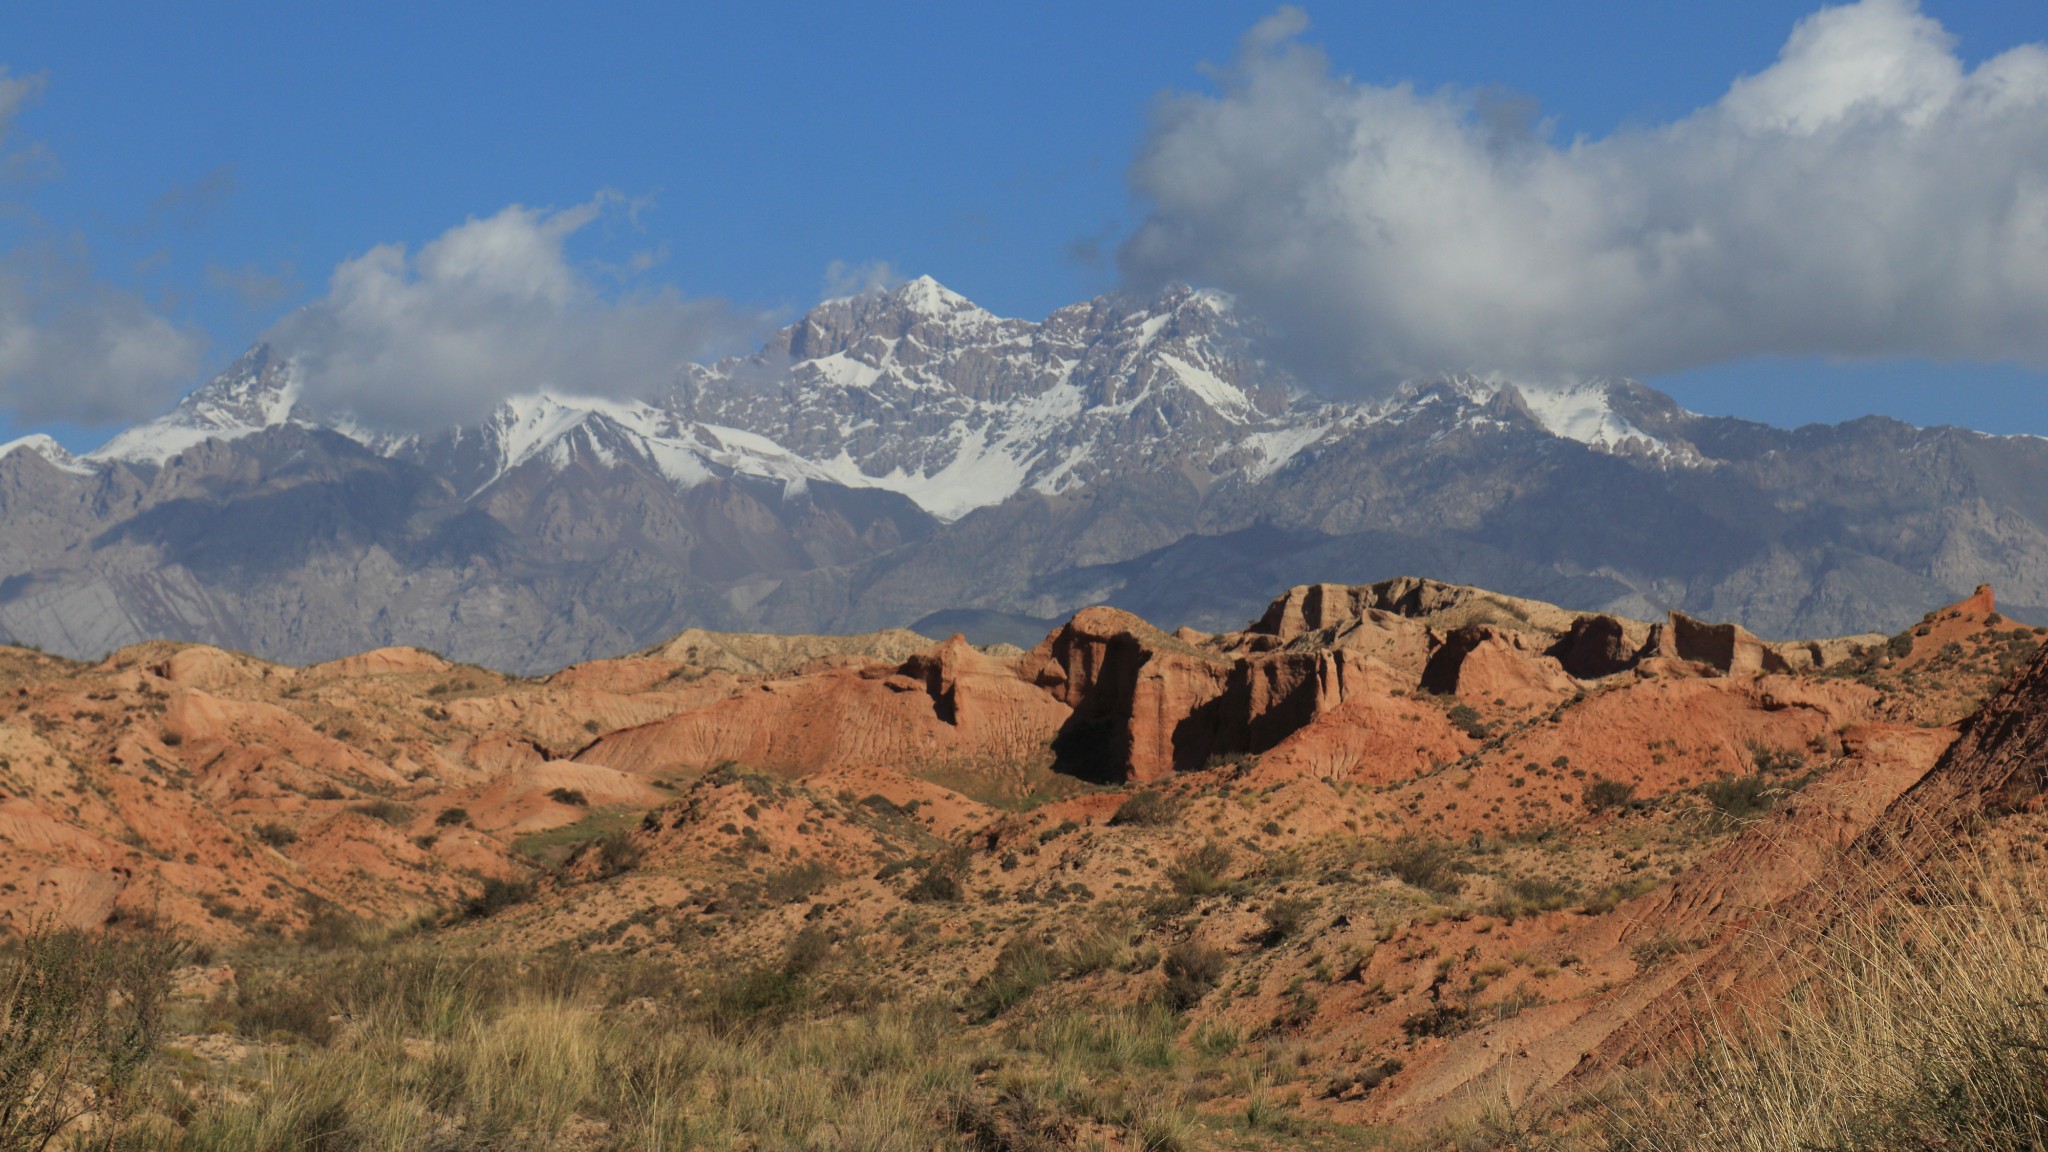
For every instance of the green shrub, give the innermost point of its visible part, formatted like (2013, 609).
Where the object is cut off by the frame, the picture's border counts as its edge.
(1024, 965)
(796, 882)
(1199, 871)
(939, 882)
(570, 796)
(616, 853)
(1603, 794)
(80, 1016)
(1768, 759)
(1428, 864)
(450, 817)
(1466, 718)
(1149, 808)
(389, 811)
(276, 835)
(1525, 895)
(497, 895)
(1284, 917)
(1192, 969)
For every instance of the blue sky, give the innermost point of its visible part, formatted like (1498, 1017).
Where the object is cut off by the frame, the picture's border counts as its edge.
(215, 163)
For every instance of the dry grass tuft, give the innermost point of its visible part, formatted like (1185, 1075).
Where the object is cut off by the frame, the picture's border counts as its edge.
(1919, 1020)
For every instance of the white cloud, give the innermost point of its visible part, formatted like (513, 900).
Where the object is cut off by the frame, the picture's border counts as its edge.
(492, 308)
(843, 279)
(74, 348)
(1866, 195)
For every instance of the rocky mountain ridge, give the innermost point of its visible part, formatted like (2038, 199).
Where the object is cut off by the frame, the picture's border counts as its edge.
(904, 458)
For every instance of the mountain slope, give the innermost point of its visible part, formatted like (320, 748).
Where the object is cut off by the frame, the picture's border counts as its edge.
(895, 455)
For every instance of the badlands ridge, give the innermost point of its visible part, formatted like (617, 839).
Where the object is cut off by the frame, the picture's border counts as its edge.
(1440, 837)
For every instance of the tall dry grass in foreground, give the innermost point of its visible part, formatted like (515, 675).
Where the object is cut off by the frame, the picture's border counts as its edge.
(402, 1047)
(1919, 1020)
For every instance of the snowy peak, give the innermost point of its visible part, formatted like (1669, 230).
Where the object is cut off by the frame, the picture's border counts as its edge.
(258, 391)
(927, 297)
(1607, 415)
(48, 449)
(1615, 417)
(919, 391)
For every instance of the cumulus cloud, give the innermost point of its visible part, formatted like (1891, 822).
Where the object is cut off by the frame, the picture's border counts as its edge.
(72, 347)
(492, 308)
(77, 350)
(1866, 195)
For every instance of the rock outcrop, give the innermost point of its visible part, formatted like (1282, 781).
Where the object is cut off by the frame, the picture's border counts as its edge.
(1727, 648)
(1143, 702)
(1595, 646)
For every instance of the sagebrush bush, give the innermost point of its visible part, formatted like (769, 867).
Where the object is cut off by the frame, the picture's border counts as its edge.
(1191, 969)
(80, 1016)
(1200, 871)
(1603, 794)
(1425, 863)
(1150, 808)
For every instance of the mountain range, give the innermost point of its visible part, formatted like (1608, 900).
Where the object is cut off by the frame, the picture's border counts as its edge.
(906, 458)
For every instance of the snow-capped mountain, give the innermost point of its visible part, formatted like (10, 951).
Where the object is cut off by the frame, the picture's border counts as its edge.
(904, 455)
(920, 392)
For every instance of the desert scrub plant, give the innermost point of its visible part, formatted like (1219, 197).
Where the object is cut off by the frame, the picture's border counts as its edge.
(276, 835)
(1200, 871)
(1191, 969)
(1768, 759)
(1603, 794)
(389, 811)
(616, 853)
(496, 895)
(939, 882)
(80, 1017)
(1738, 800)
(1915, 1020)
(1149, 809)
(1467, 720)
(1425, 863)
(1028, 963)
(1284, 917)
(796, 882)
(1025, 965)
(1528, 895)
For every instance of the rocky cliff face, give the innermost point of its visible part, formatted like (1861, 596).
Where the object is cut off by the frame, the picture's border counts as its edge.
(900, 456)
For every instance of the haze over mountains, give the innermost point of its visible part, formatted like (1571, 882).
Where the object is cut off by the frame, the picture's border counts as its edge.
(907, 458)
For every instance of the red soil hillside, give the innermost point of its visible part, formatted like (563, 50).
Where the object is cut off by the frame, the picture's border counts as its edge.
(1437, 839)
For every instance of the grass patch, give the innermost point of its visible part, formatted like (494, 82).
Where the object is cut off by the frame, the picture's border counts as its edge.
(556, 845)
(1915, 1021)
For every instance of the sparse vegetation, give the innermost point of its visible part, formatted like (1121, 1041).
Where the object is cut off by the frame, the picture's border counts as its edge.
(1467, 719)
(1915, 1023)
(1603, 794)
(276, 835)
(1150, 808)
(389, 811)
(1191, 969)
(1425, 863)
(80, 1017)
(1200, 871)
